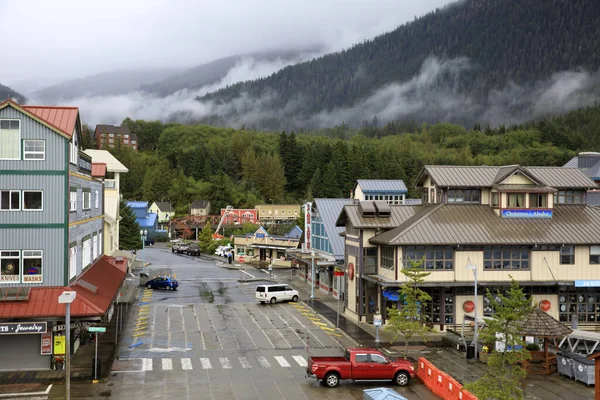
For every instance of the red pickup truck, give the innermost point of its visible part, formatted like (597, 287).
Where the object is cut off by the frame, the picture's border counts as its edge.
(360, 364)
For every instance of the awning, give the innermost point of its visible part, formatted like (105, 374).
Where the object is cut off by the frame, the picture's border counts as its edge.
(96, 288)
(382, 280)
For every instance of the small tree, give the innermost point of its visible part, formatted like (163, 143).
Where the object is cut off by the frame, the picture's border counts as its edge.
(205, 239)
(408, 320)
(129, 229)
(504, 373)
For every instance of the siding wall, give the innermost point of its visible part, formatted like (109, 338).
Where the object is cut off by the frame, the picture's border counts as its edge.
(517, 179)
(31, 129)
(51, 241)
(53, 193)
(81, 182)
(76, 235)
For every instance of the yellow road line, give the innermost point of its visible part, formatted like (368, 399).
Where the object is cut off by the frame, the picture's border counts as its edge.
(142, 319)
(141, 324)
(328, 329)
(319, 323)
(143, 329)
(138, 334)
(335, 334)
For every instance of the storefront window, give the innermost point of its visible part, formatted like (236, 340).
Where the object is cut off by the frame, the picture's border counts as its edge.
(495, 199)
(538, 200)
(10, 266)
(580, 303)
(516, 200)
(32, 265)
(436, 257)
(506, 257)
(387, 257)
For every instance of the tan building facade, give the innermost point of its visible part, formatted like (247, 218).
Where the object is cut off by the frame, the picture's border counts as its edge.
(277, 213)
(528, 223)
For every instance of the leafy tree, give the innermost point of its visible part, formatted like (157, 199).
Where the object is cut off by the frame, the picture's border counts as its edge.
(129, 229)
(205, 239)
(502, 378)
(408, 321)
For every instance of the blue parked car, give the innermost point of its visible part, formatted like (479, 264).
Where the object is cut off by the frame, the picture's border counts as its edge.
(162, 282)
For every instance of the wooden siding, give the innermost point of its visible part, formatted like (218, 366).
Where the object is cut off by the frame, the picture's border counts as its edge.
(517, 179)
(31, 129)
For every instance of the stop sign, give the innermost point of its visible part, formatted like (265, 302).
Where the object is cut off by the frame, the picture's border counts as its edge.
(241, 258)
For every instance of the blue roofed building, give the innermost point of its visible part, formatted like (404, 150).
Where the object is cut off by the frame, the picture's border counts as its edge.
(145, 219)
(589, 163)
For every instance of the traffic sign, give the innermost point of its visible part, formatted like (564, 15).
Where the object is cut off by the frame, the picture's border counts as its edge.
(241, 258)
(97, 329)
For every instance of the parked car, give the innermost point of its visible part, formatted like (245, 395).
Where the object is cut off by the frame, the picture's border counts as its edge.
(162, 282)
(182, 248)
(360, 364)
(223, 250)
(275, 293)
(193, 249)
(175, 247)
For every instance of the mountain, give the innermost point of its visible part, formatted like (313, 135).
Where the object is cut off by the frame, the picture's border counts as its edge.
(213, 72)
(8, 93)
(490, 61)
(102, 84)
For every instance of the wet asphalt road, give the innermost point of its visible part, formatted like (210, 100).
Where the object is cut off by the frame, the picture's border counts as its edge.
(211, 340)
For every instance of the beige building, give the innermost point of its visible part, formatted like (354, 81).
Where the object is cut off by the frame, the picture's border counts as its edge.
(165, 212)
(531, 223)
(111, 178)
(200, 208)
(277, 213)
(263, 249)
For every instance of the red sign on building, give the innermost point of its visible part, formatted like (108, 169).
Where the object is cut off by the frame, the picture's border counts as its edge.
(46, 344)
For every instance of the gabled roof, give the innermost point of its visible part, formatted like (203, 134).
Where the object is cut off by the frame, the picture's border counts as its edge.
(164, 206)
(62, 120)
(147, 222)
(329, 210)
(381, 185)
(198, 204)
(399, 214)
(104, 156)
(451, 224)
(588, 162)
(137, 204)
(486, 176)
(593, 198)
(540, 324)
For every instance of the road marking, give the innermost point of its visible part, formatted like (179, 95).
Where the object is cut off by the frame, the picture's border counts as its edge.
(186, 363)
(167, 364)
(199, 329)
(328, 329)
(147, 364)
(250, 275)
(319, 323)
(263, 362)
(138, 334)
(335, 334)
(225, 362)
(206, 363)
(282, 361)
(244, 362)
(300, 360)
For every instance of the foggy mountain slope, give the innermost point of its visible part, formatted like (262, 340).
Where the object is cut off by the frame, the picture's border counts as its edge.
(7, 93)
(474, 60)
(105, 83)
(214, 71)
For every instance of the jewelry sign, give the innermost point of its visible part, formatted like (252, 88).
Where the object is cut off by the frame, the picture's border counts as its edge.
(19, 328)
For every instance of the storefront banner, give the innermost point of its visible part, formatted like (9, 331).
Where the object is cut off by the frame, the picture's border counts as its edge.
(526, 213)
(307, 222)
(74, 325)
(392, 294)
(19, 328)
(587, 283)
(46, 349)
(59, 344)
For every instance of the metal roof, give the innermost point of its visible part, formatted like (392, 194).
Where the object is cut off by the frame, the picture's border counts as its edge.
(593, 198)
(137, 204)
(98, 170)
(63, 118)
(104, 156)
(559, 177)
(445, 224)
(400, 213)
(164, 206)
(524, 188)
(459, 176)
(412, 202)
(199, 204)
(572, 163)
(329, 210)
(381, 185)
(147, 222)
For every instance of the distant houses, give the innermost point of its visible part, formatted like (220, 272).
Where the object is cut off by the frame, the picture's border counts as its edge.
(200, 208)
(165, 212)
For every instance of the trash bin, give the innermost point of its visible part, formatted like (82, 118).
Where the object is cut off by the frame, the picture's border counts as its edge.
(584, 369)
(470, 352)
(229, 259)
(565, 365)
(94, 374)
(144, 278)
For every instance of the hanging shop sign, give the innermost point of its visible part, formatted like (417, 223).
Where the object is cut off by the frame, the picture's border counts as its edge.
(526, 214)
(46, 344)
(19, 328)
(307, 222)
(587, 283)
(59, 344)
(392, 293)
(74, 325)
(338, 272)
(351, 271)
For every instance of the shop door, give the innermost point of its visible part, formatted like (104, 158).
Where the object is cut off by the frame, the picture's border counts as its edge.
(263, 254)
(22, 352)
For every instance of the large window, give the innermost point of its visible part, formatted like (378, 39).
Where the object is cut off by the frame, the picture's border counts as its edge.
(73, 149)
(32, 266)
(97, 199)
(594, 254)
(516, 200)
(567, 254)
(387, 257)
(73, 199)
(537, 200)
(72, 260)
(10, 200)
(505, 257)
(86, 252)
(34, 149)
(569, 197)
(436, 257)
(10, 139)
(94, 246)
(472, 196)
(581, 304)
(32, 200)
(10, 266)
(87, 199)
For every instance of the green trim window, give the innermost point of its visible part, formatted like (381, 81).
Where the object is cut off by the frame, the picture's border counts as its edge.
(10, 266)
(538, 200)
(32, 266)
(567, 255)
(387, 257)
(33, 200)
(10, 200)
(34, 150)
(506, 257)
(595, 255)
(516, 200)
(436, 258)
(87, 199)
(10, 139)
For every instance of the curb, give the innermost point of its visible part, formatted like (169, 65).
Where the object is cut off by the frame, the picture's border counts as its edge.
(25, 394)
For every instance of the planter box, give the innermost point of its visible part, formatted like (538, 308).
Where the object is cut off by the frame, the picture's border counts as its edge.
(484, 357)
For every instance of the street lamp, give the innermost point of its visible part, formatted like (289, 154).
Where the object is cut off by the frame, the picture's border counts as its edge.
(143, 236)
(67, 298)
(312, 286)
(474, 269)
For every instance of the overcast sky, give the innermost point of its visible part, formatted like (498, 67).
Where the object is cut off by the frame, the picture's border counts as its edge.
(65, 39)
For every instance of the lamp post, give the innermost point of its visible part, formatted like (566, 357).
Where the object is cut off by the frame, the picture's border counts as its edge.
(143, 236)
(66, 298)
(474, 269)
(312, 283)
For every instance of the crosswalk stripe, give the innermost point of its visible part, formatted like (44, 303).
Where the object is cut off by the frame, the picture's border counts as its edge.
(186, 363)
(167, 364)
(244, 362)
(225, 362)
(263, 362)
(147, 364)
(300, 360)
(282, 361)
(206, 363)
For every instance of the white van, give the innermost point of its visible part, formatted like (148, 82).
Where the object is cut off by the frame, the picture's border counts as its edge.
(275, 293)
(223, 250)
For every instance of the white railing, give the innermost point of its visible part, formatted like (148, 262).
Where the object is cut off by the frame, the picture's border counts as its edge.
(109, 183)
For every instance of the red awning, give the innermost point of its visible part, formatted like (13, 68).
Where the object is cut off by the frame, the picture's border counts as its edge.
(96, 288)
(98, 170)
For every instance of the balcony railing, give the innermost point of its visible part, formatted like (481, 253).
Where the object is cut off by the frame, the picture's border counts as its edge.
(109, 183)
(84, 163)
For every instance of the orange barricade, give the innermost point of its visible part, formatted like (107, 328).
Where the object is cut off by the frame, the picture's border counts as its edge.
(440, 383)
(452, 389)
